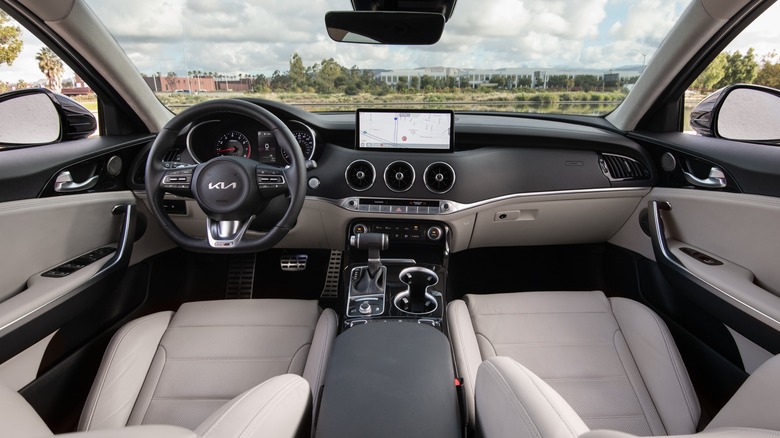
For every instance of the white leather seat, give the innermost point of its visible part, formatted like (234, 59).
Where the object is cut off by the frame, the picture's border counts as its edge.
(218, 368)
(278, 407)
(511, 401)
(612, 360)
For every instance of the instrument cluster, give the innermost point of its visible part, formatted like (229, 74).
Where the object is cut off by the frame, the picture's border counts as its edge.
(244, 137)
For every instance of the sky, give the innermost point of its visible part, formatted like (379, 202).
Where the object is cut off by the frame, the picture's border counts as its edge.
(250, 37)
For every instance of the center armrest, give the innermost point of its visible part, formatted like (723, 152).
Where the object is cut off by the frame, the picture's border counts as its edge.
(390, 379)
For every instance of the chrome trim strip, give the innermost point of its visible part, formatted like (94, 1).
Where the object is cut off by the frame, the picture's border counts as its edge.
(189, 134)
(455, 207)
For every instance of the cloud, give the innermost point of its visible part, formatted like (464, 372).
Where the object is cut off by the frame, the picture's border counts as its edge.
(248, 36)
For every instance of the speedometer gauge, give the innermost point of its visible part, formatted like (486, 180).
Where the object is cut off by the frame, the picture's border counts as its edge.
(235, 144)
(305, 138)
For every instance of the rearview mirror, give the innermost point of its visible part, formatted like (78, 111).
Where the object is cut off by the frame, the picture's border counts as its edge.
(410, 28)
(740, 112)
(38, 116)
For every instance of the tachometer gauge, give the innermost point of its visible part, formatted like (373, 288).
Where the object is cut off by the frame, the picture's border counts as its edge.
(235, 144)
(305, 138)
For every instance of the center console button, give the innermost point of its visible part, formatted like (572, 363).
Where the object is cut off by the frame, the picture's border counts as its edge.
(365, 308)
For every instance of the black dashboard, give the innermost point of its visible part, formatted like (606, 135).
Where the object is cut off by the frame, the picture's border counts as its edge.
(493, 156)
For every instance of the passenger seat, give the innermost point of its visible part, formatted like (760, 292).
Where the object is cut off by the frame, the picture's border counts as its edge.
(612, 360)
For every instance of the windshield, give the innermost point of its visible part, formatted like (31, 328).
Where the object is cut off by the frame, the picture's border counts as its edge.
(566, 56)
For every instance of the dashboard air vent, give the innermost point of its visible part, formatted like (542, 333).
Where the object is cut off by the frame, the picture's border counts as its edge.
(439, 177)
(620, 168)
(360, 175)
(399, 176)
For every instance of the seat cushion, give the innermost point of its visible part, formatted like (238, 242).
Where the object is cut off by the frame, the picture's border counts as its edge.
(209, 353)
(612, 360)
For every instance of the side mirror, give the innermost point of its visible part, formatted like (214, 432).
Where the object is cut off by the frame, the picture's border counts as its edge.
(740, 112)
(37, 116)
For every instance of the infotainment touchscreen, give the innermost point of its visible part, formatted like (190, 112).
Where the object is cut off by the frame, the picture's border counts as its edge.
(410, 130)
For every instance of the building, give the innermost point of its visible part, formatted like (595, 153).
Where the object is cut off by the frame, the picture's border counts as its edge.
(169, 84)
(512, 77)
(392, 77)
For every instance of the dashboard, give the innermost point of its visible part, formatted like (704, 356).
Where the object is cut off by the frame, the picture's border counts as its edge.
(500, 180)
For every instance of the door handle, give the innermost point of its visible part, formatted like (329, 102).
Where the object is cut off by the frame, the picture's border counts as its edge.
(716, 179)
(65, 184)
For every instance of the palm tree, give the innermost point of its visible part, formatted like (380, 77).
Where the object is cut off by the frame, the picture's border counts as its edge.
(51, 67)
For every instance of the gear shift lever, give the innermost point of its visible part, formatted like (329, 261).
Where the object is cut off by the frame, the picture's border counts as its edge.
(370, 280)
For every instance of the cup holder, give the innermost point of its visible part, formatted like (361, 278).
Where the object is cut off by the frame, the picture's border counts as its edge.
(416, 299)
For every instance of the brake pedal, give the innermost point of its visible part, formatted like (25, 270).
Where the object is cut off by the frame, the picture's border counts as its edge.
(294, 263)
(241, 276)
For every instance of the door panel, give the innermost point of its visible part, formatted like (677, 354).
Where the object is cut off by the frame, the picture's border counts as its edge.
(50, 231)
(737, 228)
(720, 250)
(51, 263)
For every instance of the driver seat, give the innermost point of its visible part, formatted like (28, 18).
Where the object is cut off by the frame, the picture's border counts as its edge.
(182, 368)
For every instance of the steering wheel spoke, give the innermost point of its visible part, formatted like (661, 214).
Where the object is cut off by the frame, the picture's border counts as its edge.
(271, 181)
(226, 234)
(178, 181)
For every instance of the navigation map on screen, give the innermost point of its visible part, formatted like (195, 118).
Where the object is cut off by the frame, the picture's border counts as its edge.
(404, 130)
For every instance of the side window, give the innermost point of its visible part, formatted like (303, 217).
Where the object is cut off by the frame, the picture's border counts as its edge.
(744, 79)
(42, 100)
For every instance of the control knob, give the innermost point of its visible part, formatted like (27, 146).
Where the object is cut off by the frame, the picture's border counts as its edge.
(364, 308)
(434, 233)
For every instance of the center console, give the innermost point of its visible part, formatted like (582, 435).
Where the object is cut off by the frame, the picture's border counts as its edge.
(391, 371)
(396, 271)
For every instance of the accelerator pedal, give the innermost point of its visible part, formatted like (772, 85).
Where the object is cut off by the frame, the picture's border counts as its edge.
(331, 288)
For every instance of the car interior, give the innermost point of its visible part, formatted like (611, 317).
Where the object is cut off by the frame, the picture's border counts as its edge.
(246, 267)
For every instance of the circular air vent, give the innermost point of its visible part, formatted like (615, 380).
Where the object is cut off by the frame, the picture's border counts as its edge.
(399, 176)
(439, 177)
(360, 175)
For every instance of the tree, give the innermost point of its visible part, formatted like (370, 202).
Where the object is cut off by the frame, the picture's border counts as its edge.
(769, 73)
(713, 74)
(403, 83)
(558, 81)
(297, 71)
(51, 67)
(10, 40)
(499, 80)
(415, 82)
(170, 79)
(739, 68)
(587, 82)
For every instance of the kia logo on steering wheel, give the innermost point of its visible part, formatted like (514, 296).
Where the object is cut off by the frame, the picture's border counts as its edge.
(222, 186)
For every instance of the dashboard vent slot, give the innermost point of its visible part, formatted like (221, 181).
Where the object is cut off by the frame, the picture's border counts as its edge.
(439, 177)
(360, 175)
(620, 168)
(399, 176)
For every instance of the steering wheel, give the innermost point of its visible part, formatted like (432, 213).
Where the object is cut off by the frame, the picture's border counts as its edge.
(232, 191)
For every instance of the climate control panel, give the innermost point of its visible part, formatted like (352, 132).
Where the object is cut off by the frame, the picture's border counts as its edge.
(402, 231)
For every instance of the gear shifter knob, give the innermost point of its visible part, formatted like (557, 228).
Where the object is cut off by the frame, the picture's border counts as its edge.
(373, 242)
(378, 241)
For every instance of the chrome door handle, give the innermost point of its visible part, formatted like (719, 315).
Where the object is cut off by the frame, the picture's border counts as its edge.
(64, 183)
(716, 180)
